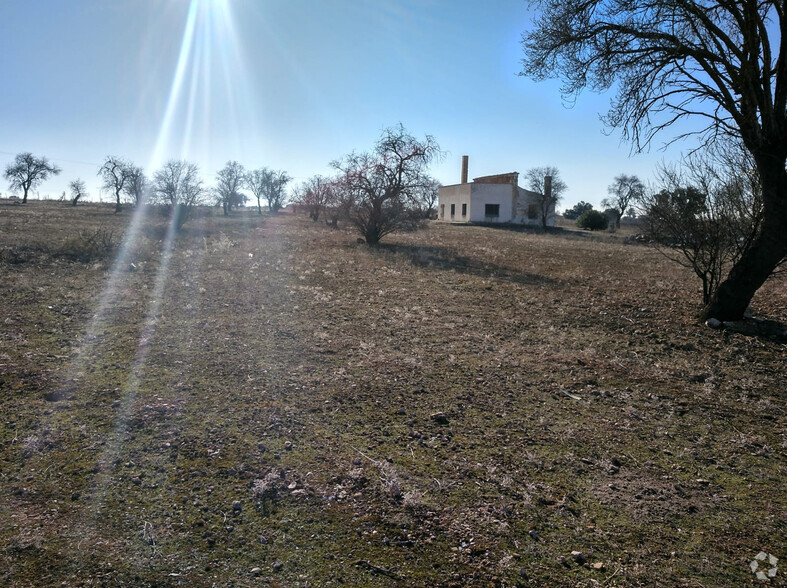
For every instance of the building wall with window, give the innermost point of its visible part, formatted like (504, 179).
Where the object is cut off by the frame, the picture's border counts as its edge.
(478, 202)
(491, 203)
(457, 196)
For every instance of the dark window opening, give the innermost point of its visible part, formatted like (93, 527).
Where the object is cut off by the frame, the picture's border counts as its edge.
(492, 210)
(532, 211)
(453, 210)
(464, 209)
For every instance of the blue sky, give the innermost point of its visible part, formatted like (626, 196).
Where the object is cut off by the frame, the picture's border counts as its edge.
(292, 85)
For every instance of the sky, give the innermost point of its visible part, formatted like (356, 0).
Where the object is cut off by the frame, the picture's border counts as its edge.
(292, 85)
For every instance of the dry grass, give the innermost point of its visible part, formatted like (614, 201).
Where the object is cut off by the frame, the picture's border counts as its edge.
(257, 408)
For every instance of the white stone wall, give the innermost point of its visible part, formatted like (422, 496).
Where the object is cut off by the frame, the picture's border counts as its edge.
(477, 195)
(457, 195)
(483, 194)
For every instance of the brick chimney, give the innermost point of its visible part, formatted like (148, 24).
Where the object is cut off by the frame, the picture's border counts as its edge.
(548, 186)
(464, 168)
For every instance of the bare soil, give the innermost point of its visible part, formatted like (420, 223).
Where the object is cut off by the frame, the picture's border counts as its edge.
(264, 401)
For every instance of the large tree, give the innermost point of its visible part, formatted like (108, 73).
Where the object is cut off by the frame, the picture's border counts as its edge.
(623, 192)
(546, 183)
(27, 172)
(78, 190)
(229, 181)
(577, 210)
(378, 185)
(706, 213)
(137, 184)
(255, 182)
(423, 198)
(178, 186)
(269, 184)
(315, 195)
(115, 175)
(721, 63)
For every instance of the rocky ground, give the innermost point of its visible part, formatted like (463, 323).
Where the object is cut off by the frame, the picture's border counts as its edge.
(264, 401)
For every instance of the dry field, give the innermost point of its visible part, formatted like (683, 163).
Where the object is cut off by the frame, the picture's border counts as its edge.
(264, 401)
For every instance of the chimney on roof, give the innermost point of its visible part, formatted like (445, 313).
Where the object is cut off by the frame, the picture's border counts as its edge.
(464, 168)
(548, 187)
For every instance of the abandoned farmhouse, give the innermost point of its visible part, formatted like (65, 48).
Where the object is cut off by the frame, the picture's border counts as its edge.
(492, 199)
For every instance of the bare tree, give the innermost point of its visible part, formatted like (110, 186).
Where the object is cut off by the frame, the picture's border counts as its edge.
(707, 213)
(255, 182)
(229, 181)
(269, 184)
(423, 198)
(178, 186)
(545, 181)
(115, 173)
(722, 64)
(378, 185)
(315, 195)
(623, 191)
(137, 184)
(274, 192)
(78, 190)
(27, 172)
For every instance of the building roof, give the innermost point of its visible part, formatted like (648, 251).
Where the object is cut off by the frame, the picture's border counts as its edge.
(509, 178)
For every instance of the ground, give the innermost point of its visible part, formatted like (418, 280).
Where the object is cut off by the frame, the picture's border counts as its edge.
(264, 401)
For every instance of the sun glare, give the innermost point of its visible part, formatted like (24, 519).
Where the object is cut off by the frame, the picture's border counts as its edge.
(209, 91)
(184, 132)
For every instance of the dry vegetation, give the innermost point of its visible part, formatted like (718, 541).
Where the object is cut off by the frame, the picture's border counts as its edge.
(274, 404)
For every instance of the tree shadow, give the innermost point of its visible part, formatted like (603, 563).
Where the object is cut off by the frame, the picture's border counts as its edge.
(757, 327)
(447, 259)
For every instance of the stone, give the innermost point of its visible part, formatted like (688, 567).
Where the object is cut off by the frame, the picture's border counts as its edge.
(533, 534)
(578, 557)
(439, 418)
(237, 506)
(277, 565)
(256, 571)
(713, 323)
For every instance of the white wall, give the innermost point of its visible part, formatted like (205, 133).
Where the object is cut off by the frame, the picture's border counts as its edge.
(483, 194)
(457, 195)
(477, 195)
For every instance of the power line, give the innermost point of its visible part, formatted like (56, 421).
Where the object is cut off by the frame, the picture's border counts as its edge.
(59, 159)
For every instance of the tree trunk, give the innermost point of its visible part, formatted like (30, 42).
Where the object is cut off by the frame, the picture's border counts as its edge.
(757, 263)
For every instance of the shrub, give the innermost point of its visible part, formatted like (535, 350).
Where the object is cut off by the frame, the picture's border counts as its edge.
(577, 210)
(88, 246)
(593, 220)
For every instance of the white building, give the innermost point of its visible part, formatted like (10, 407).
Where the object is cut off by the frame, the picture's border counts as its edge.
(492, 199)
